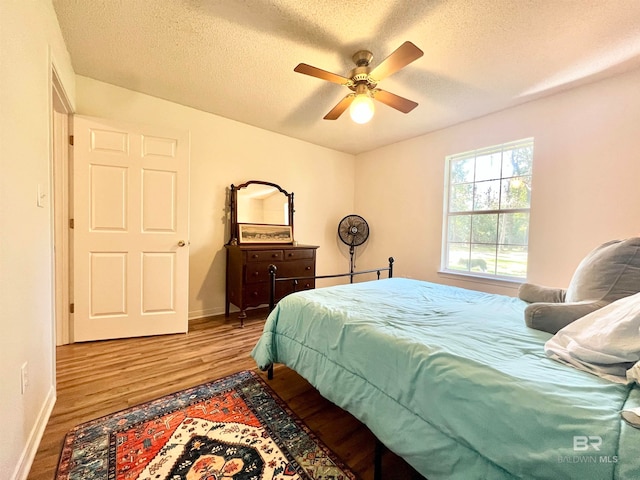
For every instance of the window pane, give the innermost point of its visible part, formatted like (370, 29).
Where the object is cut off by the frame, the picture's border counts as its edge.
(461, 170)
(487, 213)
(516, 192)
(458, 256)
(483, 259)
(461, 197)
(488, 166)
(517, 162)
(487, 195)
(459, 228)
(512, 261)
(514, 228)
(485, 229)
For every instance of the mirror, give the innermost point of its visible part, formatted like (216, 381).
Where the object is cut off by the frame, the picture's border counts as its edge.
(259, 203)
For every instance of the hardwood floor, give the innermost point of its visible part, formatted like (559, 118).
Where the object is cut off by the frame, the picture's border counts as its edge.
(99, 378)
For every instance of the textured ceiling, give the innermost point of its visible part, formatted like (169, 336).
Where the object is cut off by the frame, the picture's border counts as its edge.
(235, 58)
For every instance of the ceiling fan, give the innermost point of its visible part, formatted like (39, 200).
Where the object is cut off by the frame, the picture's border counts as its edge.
(363, 81)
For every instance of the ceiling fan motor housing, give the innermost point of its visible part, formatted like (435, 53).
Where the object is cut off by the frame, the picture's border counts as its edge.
(362, 58)
(360, 76)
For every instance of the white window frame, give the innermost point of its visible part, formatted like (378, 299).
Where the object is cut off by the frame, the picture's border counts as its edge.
(526, 142)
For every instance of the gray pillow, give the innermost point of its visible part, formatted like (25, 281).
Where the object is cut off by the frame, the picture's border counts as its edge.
(608, 273)
(532, 293)
(551, 317)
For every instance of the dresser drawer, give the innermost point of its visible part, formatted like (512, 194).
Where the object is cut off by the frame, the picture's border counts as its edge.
(264, 255)
(259, 272)
(305, 285)
(255, 294)
(258, 293)
(285, 288)
(299, 253)
(301, 268)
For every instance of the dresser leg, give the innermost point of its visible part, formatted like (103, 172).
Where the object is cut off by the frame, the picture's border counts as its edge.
(241, 316)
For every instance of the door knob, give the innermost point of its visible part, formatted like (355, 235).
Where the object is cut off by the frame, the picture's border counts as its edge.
(182, 243)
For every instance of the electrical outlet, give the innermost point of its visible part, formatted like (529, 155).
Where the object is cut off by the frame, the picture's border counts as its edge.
(24, 378)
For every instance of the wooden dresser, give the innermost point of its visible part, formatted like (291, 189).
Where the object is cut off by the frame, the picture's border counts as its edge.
(248, 275)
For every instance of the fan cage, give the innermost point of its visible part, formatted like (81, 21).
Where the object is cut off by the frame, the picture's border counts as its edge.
(353, 230)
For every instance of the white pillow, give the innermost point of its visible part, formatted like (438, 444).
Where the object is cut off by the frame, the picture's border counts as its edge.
(605, 342)
(633, 374)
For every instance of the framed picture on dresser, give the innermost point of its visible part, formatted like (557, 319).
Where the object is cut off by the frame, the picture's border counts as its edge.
(264, 233)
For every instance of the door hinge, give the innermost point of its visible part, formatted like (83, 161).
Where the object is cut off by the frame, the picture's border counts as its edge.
(71, 140)
(72, 307)
(71, 223)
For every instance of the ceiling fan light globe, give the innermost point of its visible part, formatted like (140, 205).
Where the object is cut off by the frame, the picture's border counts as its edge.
(361, 109)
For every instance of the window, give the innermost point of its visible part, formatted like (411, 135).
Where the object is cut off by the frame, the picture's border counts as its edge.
(486, 224)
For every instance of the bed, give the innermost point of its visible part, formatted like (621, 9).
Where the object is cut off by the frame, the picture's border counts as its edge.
(453, 381)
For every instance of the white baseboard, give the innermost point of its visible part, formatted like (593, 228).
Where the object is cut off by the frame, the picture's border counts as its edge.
(212, 312)
(208, 312)
(35, 437)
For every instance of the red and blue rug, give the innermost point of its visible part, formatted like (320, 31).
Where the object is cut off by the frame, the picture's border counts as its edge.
(235, 428)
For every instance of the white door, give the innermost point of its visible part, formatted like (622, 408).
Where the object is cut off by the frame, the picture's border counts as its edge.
(131, 230)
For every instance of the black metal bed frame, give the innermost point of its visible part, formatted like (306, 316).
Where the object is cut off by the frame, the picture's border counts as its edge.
(273, 270)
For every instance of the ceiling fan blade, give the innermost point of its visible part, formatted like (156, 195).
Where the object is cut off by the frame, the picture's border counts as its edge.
(393, 100)
(340, 107)
(321, 74)
(403, 56)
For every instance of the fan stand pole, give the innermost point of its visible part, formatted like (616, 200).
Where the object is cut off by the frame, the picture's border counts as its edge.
(351, 252)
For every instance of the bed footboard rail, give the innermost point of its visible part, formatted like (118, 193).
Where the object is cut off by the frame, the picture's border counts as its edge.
(273, 271)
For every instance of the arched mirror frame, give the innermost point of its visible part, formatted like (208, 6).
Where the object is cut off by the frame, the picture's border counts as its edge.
(233, 206)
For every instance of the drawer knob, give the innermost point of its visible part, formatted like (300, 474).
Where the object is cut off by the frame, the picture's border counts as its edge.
(256, 274)
(307, 268)
(255, 255)
(291, 254)
(275, 255)
(255, 294)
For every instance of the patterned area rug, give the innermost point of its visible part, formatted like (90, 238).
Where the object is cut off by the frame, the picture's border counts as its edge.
(235, 428)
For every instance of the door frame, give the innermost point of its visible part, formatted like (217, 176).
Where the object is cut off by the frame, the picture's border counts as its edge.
(60, 177)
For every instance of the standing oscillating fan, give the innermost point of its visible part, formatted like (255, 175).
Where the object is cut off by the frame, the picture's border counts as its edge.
(353, 230)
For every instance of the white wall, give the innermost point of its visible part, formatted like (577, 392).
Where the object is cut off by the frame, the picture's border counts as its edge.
(225, 152)
(30, 40)
(585, 187)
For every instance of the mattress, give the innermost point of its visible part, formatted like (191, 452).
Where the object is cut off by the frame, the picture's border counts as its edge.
(453, 381)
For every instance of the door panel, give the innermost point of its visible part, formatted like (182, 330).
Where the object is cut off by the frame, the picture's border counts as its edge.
(108, 280)
(158, 282)
(158, 201)
(108, 197)
(131, 248)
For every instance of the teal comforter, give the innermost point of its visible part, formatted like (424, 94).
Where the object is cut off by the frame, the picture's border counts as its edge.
(454, 382)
